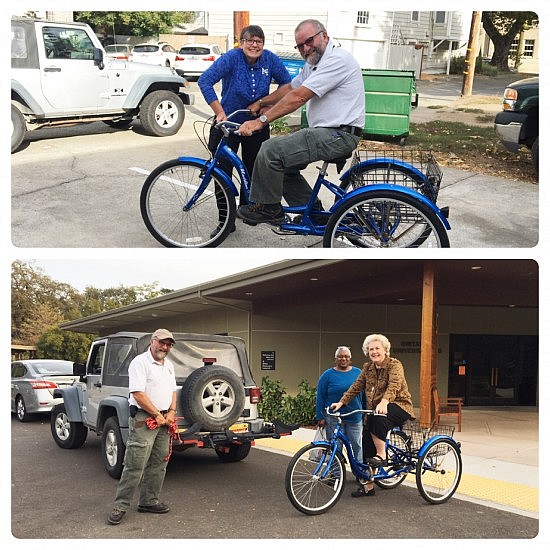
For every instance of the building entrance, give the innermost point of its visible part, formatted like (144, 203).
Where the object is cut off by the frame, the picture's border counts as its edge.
(493, 370)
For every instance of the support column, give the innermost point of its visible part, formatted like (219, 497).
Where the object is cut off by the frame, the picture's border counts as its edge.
(428, 345)
(241, 19)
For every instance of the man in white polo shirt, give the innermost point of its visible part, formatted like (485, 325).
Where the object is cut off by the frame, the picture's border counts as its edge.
(152, 385)
(331, 86)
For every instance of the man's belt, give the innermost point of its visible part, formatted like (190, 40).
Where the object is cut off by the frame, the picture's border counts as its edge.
(354, 130)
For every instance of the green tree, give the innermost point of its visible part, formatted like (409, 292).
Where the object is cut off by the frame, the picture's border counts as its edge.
(96, 300)
(35, 298)
(55, 343)
(502, 27)
(133, 23)
(39, 305)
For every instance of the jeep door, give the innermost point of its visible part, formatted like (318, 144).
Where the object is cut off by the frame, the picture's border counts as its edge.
(69, 78)
(94, 370)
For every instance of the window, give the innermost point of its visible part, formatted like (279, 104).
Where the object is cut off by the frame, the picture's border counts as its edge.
(96, 360)
(528, 48)
(440, 17)
(362, 17)
(415, 16)
(67, 43)
(18, 42)
(514, 46)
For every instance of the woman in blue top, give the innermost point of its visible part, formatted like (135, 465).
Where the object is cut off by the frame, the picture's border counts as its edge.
(246, 74)
(331, 384)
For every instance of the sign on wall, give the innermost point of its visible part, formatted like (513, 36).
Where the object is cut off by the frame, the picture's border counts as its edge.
(267, 360)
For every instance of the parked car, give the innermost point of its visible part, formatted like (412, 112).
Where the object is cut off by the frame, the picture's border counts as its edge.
(518, 122)
(194, 59)
(118, 51)
(154, 54)
(61, 76)
(33, 382)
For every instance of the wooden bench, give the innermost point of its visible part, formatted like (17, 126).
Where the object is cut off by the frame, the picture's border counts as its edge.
(449, 406)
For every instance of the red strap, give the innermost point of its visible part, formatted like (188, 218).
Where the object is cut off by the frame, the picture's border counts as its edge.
(172, 430)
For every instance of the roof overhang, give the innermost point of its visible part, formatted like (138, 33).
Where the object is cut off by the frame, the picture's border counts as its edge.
(497, 283)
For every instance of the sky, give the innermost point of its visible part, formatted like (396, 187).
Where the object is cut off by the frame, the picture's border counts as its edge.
(169, 273)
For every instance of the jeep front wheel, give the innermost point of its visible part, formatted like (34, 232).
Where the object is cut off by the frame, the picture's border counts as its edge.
(162, 113)
(213, 396)
(18, 128)
(112, 448)
(68, 435)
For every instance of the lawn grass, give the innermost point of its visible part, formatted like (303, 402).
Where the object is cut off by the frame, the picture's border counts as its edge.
(445, 136)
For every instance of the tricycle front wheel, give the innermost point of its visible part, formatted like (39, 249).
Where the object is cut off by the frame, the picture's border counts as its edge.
(313, 483)
(164, 199)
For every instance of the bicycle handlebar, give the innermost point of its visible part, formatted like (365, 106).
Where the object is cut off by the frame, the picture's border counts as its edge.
(227, 126)
(336, 414)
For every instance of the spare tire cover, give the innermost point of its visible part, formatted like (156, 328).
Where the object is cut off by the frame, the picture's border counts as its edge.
(213, 396)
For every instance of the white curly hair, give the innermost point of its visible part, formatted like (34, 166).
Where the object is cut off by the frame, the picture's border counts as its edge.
(376, 337)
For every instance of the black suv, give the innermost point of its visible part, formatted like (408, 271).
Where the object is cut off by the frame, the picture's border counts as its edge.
(518, 123)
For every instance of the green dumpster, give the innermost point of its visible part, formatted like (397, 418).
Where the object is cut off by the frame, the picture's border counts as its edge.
(389, 97)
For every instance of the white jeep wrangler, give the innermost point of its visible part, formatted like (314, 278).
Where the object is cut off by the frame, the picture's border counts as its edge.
(217, 398)
(61, 75)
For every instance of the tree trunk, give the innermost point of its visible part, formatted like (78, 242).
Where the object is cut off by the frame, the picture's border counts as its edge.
(501, 42)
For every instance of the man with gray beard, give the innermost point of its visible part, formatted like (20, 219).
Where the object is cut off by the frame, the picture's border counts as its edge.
(152, 386)
(331, 86)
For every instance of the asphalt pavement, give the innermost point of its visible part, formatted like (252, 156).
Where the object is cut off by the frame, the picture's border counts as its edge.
(59, 494)
(58, 178)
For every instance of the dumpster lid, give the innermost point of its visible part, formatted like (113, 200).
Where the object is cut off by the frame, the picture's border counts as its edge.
(388, 72)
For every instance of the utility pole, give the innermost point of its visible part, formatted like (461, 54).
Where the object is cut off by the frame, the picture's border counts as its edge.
(471, 54)
(241, 19)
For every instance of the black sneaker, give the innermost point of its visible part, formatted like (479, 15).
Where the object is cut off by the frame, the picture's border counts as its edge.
(261, 213)
(115, 517)
(159, 508)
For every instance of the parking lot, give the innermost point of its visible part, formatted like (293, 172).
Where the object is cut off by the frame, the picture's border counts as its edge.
(66, 494)
(77, 180)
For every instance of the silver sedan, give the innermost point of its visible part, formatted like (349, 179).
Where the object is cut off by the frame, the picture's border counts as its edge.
(33, 382)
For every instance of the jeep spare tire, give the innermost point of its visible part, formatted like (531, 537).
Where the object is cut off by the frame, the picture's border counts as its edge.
(213, 396)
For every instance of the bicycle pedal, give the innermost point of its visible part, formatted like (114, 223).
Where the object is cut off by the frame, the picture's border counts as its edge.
(279, 231)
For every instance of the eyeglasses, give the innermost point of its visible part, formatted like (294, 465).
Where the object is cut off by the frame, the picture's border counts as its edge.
(250, 41)
(307, 42)
(169, 344)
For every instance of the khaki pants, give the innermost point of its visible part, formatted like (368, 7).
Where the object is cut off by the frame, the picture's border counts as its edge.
(281, 158)
(144, 460)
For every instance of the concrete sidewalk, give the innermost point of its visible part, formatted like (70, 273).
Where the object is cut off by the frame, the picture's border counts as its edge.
(499, 456)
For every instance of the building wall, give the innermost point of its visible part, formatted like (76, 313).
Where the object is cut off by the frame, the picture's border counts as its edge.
(305, 337)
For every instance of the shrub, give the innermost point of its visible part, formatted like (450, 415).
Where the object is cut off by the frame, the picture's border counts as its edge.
(276, 404)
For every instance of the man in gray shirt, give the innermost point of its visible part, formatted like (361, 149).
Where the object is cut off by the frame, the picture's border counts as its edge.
(331, 86)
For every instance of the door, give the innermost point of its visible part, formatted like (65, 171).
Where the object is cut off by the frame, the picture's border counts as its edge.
(493, 370)
(69, 78)
(93, 381)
